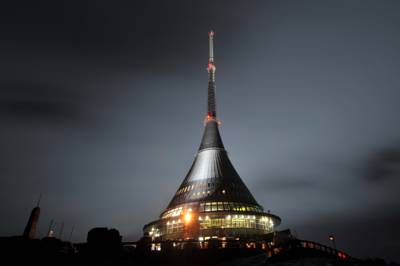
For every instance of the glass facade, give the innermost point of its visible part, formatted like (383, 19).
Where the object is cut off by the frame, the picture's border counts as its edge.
(213, 218)
(218, 223)
(228, 206)
(172, 213)
(174, 226)
(214, 206)
(237, 221)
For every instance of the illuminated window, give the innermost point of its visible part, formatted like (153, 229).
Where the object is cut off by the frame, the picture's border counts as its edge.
(226, 206)
(236, 221)
(172, 213)
(174, 226)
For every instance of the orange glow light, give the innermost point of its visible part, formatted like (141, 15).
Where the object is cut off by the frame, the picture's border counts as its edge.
(188, 217)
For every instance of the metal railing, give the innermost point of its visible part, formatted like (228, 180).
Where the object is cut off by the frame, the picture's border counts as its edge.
(317, 246)
(270, 248)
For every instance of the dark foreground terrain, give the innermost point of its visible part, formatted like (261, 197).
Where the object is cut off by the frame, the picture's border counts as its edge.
(52, 251)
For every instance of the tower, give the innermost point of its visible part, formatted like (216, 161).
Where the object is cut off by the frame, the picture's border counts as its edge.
(30, 228)
(212, 201)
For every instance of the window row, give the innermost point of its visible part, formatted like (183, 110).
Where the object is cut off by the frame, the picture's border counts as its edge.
(173, 213)
(202, 185)
(228, 206)
(206, 186)
(199, 194)
(174, 227)
(235, 223)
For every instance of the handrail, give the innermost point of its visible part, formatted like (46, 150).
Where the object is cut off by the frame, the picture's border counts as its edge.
(298, 243)
(317, 246)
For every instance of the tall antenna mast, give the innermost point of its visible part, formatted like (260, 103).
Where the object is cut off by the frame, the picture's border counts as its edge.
(211, 46)
(40, 198)
(211, 108)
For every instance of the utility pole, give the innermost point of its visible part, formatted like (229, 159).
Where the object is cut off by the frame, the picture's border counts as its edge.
(50, 231)
(332, 238)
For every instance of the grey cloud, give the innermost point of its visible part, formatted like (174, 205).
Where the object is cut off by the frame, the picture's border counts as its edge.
(383, 165)
(286, 183)
(37, 102)
(357, 232)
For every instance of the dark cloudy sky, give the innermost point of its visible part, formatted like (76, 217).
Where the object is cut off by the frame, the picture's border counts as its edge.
(102, 102)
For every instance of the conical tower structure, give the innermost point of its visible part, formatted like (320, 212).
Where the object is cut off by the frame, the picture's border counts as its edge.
(212, 201)
(31, 225)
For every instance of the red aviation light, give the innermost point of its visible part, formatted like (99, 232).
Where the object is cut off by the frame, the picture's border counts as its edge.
(211, 33)
(209, 117)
